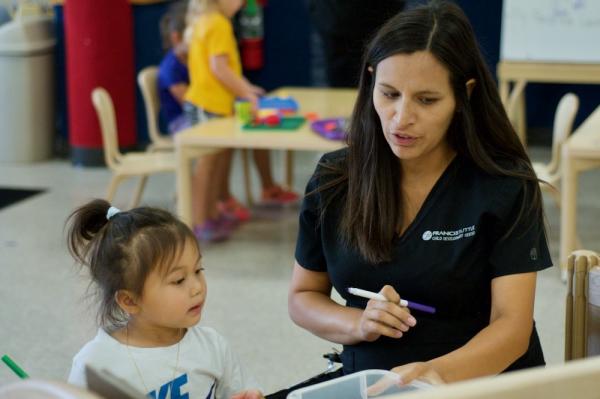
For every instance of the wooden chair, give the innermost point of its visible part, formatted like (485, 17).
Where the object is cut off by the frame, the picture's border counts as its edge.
(562, 128)
(582, 322)
(127, 165)
(148, 82)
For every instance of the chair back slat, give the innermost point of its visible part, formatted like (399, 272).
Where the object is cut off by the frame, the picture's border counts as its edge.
(582, 321)
(148, 83)
(108, 125)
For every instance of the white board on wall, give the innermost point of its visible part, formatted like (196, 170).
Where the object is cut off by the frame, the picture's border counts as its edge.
(551, 31)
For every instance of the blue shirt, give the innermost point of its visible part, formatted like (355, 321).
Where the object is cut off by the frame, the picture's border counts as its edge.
(170, 72)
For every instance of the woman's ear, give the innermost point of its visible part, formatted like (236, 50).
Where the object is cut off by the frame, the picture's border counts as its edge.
(470, 86)
(370, 69)
(127, 302)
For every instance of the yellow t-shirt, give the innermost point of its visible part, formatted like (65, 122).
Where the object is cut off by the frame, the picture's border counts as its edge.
(212, 35)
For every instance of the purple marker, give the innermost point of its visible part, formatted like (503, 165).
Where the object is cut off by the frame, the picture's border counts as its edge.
(403, 302)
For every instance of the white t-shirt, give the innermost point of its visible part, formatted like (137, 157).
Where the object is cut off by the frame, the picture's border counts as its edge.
(207, 367)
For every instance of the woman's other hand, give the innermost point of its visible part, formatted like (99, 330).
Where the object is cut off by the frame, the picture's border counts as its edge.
(422, 371)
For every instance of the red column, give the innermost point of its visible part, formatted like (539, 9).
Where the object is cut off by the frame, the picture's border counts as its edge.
(99, 52)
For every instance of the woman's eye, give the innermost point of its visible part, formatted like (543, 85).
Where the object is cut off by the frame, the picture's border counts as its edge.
(179, 282)
(389, 94)
(199, 270)
(428, 101)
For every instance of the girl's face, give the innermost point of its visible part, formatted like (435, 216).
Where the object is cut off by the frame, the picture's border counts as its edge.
(415, 103)
(230, 7)
(175, 300)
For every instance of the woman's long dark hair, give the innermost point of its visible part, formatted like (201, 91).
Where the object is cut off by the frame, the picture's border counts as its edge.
(480, 130)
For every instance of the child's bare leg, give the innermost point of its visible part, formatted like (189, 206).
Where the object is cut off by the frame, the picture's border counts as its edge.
(262, 161)
(226, 202)
(272, 193)
(222, 178)
(204, 190)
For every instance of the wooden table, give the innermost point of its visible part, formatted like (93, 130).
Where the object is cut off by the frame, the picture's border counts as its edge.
(134, 2)
(581, 152)
(519, 73)
(227, 133)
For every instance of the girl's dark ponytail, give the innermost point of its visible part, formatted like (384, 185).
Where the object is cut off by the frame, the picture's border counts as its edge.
(85, 224)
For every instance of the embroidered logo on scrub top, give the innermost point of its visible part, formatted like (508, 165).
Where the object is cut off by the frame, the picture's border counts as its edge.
(533, 253)
(449, 235)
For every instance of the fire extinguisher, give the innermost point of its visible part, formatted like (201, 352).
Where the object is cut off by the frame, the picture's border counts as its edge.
(251, 36)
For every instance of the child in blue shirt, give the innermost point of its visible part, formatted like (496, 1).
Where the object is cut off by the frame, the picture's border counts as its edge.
(173, 77)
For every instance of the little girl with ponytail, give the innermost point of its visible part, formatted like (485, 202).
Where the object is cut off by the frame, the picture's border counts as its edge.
(146, 266)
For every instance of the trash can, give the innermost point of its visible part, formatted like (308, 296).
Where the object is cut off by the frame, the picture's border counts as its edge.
(4, 15)
(27, 89)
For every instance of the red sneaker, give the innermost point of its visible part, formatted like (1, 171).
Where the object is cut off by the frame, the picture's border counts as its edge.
(233, 209)
(276, 195)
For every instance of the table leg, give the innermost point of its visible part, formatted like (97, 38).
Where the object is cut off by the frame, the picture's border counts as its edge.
(568, 210)
(521, 118)
(515, 108)
(289, 169)
(184, 184)
(247, 177)
(504, 89)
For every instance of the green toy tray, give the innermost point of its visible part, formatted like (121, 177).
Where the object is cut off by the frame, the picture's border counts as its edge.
(287, 123)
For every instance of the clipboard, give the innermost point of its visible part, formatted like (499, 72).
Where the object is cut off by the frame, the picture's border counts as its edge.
(108, 385)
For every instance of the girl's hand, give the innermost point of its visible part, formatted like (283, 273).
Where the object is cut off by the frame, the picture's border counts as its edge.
(257, 90)
(253, 99)
(252, 95)
(249, 394)
(385, 318)
(423, 371)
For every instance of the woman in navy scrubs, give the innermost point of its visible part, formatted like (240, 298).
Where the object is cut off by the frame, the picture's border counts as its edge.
(434, 200)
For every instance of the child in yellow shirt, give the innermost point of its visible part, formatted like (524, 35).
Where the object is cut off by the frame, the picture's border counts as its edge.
(215, 81)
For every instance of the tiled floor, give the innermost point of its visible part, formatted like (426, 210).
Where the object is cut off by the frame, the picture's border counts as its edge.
(45, 317)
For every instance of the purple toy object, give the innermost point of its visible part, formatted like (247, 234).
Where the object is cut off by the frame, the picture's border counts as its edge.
(332, 129)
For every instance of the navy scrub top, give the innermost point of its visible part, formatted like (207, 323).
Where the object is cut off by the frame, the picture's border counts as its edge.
(446, 259)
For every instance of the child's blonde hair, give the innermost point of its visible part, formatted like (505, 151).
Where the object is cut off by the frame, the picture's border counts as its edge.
(195, 9)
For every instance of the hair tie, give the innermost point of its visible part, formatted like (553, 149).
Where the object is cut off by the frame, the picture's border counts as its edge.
(112, 211)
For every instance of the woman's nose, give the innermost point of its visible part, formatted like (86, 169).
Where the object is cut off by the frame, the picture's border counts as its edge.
(403, 113)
